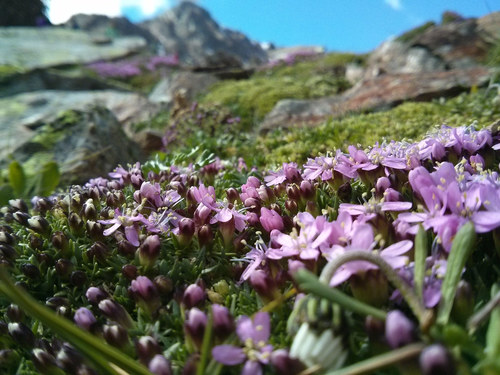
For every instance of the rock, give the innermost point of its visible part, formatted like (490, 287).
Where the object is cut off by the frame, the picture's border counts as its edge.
(190, 31)
(21, 113)
(286, 53)
(377, 93)
(50, 79)
(189, 84)
(354, 73)
(100, 26)
(29, 48)
(393, 56)
(458, 44)
(489, 27)
(85, 144)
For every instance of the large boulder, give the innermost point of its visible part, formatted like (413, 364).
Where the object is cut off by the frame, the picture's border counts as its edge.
(377, 93)
(190, 32)
(85, 144)
(29, 48)
(21, 113)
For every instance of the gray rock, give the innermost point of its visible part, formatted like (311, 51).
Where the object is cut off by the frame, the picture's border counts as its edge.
(111, 27)
(28, 48)
(50, 79)
(20, 114)
(188, 84)
(190, 31)
(377, 93)
(85, 144)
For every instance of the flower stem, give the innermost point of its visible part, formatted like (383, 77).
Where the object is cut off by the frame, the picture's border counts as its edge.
(383, 360)
(310, 283)
(424, 316)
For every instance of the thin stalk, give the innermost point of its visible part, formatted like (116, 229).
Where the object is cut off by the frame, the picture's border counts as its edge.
(382, 360)
(310, 283)
(475, 320)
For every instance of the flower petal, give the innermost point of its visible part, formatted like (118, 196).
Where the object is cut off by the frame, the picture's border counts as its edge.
(228, 354)
(262, 327)
(132, 235)
(251, 368)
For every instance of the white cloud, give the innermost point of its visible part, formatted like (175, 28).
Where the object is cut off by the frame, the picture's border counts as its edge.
(394, 4)
(61, 10)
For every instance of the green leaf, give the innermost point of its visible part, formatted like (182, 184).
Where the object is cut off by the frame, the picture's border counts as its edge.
(462, 247)
(493, 336)
(420, 256)
(6, 193)
(48, 179)
(17, 178)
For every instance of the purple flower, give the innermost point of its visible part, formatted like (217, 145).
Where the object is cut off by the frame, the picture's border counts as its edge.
(288, 172)
(328, 167)
(363, 239)
(254, 335)
(130, 223)
(399, 330)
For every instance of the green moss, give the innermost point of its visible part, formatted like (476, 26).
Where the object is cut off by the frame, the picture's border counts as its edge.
(252, 99)
(408, 121)
(413, 33)
(49, 134)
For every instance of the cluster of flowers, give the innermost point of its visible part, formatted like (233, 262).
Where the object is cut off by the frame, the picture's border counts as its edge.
(145, 224)
(127, 69)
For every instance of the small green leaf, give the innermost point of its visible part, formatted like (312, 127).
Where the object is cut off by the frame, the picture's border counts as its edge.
(420, 256)
(17, 178)
(6, 193)
(462, 247)
(493, 336)
(48, 179)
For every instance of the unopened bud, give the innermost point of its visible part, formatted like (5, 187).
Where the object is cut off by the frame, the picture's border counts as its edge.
(22, 334)
(147, 347)
(115, 335)
(193, 296)
(40, 225)
(159, 365)
(194, 325)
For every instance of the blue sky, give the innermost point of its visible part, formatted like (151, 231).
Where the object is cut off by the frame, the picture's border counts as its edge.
(338, 25)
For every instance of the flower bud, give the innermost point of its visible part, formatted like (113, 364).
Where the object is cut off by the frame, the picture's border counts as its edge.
(344, 192)
(264, 285)
(195, 324)
(193, 296)
(270, 220)
(60, 241)
(370, 287)
(186, 231)
(129, 271)
(463, 304)
(55, 302)
(149, 251)
(115, 312)
(292, 207)
(75, 223)
(223, 322)
(84, 318)
(159, 365)
(126, 248)
(22, 334)
(399, 330)
(253, 181)
(307, 191)
(14, 313)
(69, 359)
(284, 364)
(30, 271)
(63, 267)
(205, 235)
(252, 204)
(147, 347)
(94, 230)
(36, 242)
(89, 211)
(95, 295)
(21, 218)
(40, 225)
(6, 238)
(44, 362)
(145, 293)
(8, 252)
(232, 195)
(115, 335)
(18, 205)
(78, 278)
(436, 360)
(98, 251)
(164, 284)
(374, 327)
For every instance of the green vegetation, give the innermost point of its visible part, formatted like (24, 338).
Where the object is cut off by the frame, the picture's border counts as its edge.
(310, 78)
(413, 33)
(407, 121)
